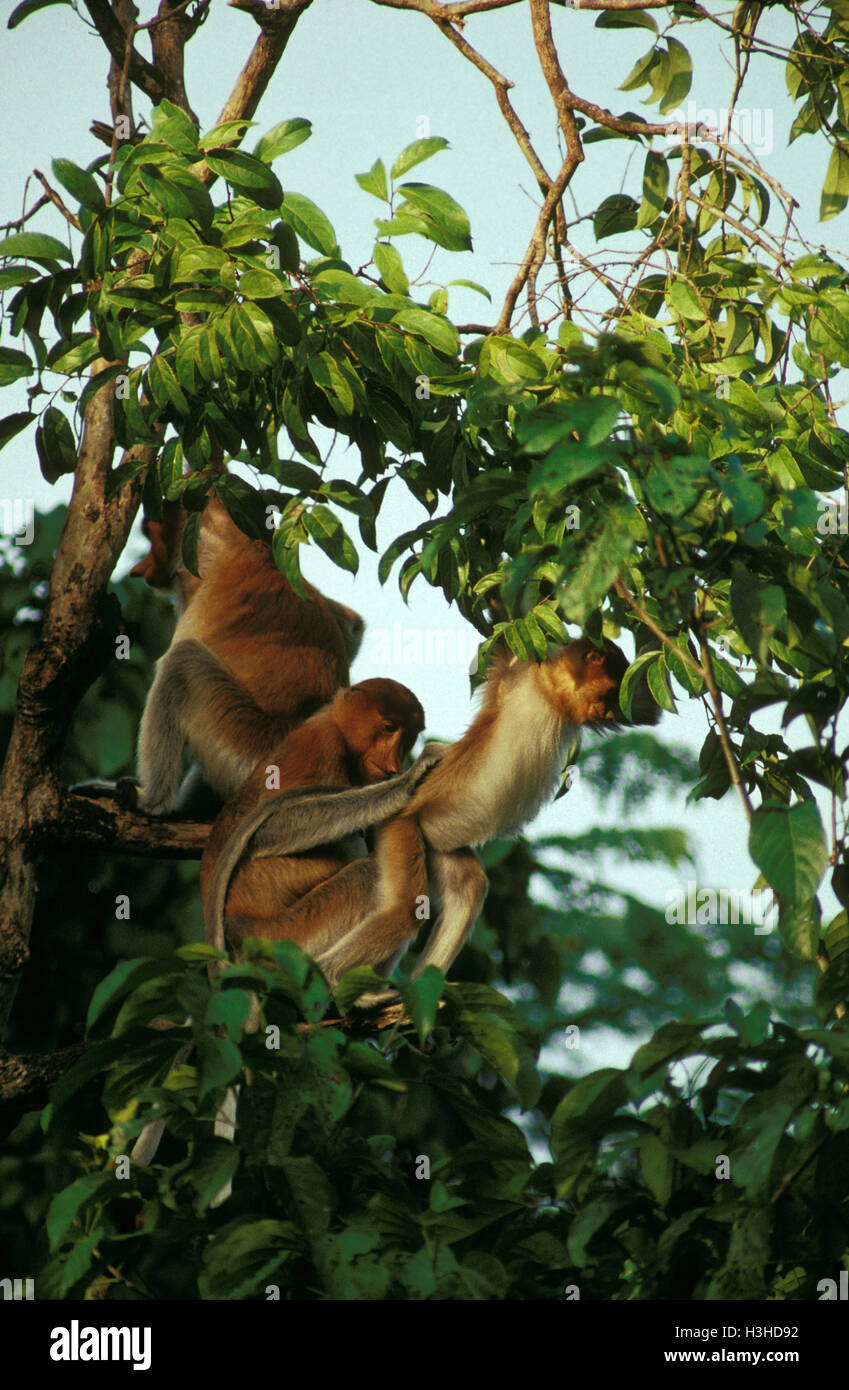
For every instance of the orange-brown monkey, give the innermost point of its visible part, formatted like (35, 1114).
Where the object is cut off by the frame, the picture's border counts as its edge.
(360, 738)
(249, 660)
(490, 783)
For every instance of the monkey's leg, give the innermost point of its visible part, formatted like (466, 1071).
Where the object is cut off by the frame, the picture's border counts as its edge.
(461, 886)
(399, 891)
(322, 916)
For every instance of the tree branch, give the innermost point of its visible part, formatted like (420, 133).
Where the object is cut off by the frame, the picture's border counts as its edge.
(104, 823)
(25, 1080)
(53, 197)
(142, 73)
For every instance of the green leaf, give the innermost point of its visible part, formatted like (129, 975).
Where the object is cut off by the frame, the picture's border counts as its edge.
(439, 332)
(680, 69)
(788, 845)
(35, 246)
(284, 136)
(227, 133)
(22, 12)
(283, 237)
(684, 300)
(658, 1168)
(260, 284)
(510, 362)
(835, 189)
(310, 223)
(615, 214)
(415, 153)
(218, 1062)
(175, 128)
(595, 1096)
(564, 466)
(744, 493)
(632, 19)
(674, 485)
(197, 301)
(632, 680)
(193, 261)
(249, 175)
(55, 445)
(120, 981)
(13, 424)
(345, 287)
(13, 275)
(801, 925)
(658, 683)
(759, 612)
(177, 192)
(14, 364)
(164, 386)
(600, 563)
(355, 982)
(448, 224)
(388, 261)
(421, 996)
(66, 1205)
(641, 71)
(761, 1123)
(472, 285)
(80, 184)
(374, 181)
(326, 374)
(328, 532)
(655, 189)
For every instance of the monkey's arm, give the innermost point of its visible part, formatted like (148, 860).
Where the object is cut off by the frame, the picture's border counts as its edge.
(304, 817)
(193, 695)
(310, 816)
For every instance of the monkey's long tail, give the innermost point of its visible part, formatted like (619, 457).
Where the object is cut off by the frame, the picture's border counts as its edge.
(237, 845)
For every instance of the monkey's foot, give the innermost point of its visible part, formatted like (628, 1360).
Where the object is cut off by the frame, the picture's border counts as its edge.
(377, 999)
(125, 790)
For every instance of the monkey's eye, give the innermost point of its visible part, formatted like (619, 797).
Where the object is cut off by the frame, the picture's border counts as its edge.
(390, 727)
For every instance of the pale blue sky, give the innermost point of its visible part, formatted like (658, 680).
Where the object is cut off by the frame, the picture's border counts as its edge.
(367, 77)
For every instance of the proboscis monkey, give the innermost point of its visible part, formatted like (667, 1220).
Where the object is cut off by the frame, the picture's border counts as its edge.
(249, 660)
(359, 739)
(490, 783)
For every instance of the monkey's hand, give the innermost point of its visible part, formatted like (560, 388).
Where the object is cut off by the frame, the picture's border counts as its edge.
(431, 754)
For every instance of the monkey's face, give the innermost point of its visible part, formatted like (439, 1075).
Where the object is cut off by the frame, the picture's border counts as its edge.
(383, 720)
(590, 678)
(598, 675)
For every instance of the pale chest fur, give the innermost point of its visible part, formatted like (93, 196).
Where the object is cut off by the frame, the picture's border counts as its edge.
(516, 771)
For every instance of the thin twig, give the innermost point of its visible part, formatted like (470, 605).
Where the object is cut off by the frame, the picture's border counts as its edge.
(54, 198)
(19, 221)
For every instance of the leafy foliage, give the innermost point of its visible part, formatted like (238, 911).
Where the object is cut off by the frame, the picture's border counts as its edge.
(667, 461)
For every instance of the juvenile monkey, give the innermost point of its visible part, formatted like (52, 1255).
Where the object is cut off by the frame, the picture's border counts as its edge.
(490, 783)
(359, 739)
(248, 662)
